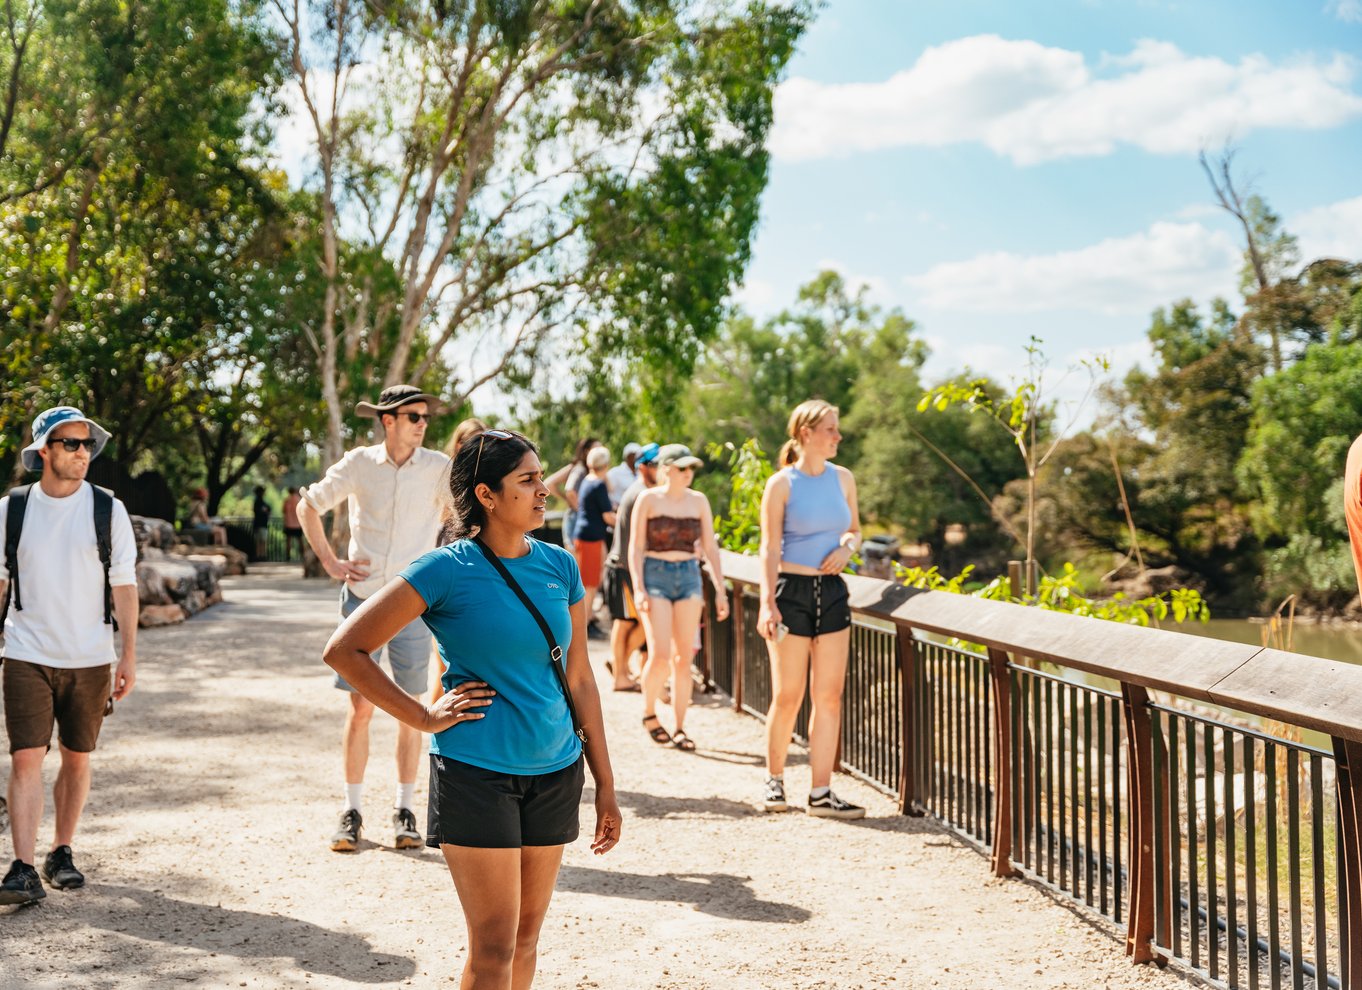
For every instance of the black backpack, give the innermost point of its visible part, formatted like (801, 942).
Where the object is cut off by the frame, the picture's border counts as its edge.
(14, 527)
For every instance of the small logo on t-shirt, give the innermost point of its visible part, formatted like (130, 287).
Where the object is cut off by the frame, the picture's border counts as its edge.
(553, 587)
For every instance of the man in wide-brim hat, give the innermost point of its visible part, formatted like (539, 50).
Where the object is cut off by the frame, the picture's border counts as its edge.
(395, 489)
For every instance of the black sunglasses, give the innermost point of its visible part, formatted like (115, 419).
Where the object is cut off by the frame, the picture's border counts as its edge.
(416, 417)
(495, 435)
(73, 444)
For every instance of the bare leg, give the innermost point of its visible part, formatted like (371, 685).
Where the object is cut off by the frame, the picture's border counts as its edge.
(505, 894)
(829, 671)
(69, 794)
(789, 674)
(26, 799)
(657, 624)
(622, 635)
(355, 742)
(685, 620)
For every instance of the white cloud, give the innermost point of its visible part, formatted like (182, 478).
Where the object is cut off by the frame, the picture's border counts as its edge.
(1117, 275)
(1332, 231)
(1345, 10)
(1033, 103)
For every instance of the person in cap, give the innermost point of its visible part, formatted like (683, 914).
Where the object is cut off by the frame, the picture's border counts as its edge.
(395, 493)
(626, 632)
(623, 474)
(62, 602)
(672, 526)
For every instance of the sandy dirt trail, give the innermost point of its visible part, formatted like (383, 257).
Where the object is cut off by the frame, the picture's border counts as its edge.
(218, 782)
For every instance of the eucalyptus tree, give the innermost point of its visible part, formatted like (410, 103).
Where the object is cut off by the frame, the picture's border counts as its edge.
(526, 167)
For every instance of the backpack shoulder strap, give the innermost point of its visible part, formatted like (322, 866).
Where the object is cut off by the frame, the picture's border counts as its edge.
(14, 527)
(104, 540)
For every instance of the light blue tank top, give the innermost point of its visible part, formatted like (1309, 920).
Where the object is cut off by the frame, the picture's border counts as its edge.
(816, 516)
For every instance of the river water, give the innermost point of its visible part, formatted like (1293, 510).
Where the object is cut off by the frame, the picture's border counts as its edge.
(1333, 642)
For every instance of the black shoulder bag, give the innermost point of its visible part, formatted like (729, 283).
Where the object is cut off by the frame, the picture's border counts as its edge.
(555, 651)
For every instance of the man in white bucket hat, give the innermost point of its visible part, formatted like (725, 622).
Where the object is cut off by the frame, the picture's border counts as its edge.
(68, 569)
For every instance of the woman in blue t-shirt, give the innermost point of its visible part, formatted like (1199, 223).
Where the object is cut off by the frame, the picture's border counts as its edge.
(506, 767)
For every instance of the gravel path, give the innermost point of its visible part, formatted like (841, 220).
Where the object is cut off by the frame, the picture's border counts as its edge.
(217, 784)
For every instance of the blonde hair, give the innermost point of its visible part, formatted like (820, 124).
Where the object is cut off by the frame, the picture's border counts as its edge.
(598, 457)
(806, 416)
(470, 427)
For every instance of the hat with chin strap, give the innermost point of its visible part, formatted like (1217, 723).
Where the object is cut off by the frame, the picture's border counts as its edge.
(49, 420)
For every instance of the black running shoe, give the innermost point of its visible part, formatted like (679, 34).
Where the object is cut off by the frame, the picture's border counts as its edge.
(346, 839)
(774, 799)
(59, 870)
(831, 806)
(21, 885)
(405, 833)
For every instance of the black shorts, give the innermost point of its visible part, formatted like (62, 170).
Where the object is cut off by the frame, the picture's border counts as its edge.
(487, 809)
(619, 595)
(813, 605)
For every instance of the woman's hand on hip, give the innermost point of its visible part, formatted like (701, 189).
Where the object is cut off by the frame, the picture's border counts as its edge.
(464, 703)
(607, 823)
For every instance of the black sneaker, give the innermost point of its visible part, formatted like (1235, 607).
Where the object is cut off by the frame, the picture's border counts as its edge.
(831, 806)
(346, 839)
(21, 885)
(405, 833)
(775, 795)
(59, 870)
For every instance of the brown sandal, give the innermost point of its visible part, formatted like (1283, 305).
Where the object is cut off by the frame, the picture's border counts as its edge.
(659, 735)
(683, 742)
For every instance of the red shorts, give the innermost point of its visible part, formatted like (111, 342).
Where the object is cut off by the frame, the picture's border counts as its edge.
(590, 554)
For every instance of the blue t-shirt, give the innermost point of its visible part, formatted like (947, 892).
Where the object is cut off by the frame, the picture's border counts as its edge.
(485, 633)
(593, 500)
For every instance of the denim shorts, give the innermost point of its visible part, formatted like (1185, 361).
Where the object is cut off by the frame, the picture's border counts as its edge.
(408, 651)
(674, 580)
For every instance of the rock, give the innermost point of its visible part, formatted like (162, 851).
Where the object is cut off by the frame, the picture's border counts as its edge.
(160, 615)
(151, 589)
(233, 560)
(194, 603)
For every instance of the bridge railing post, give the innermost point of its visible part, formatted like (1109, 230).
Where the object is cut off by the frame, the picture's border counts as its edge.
(905, 644)
(1140, 785)
(1348, 777)
(738, 624)
(1003, 757)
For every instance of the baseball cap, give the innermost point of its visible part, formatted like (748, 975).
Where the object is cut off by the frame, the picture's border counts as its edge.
(630, 448)
(647, 454)
(678, 455)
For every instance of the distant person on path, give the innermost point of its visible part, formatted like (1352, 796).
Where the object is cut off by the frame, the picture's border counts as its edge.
(595, 516)
(506, 769)
(293, 529)
(394, 494)
(672, 526)
(62, 601)
(810, 527)
(626, 632)
(1352, 504)
(623, 474)
(200, 522)
(260, 523)
(565, 481)
(468, 428)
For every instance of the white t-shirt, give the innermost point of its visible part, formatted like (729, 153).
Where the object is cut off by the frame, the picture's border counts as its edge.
(62, 580)
(617, 482)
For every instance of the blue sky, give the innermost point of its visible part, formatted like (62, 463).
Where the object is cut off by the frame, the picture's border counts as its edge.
(1002, 169)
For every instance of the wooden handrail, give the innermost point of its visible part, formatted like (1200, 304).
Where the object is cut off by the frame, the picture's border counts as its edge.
(1311, 692)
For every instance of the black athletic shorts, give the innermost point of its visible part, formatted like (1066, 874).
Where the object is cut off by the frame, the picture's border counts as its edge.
(813, 605)
(486, 809)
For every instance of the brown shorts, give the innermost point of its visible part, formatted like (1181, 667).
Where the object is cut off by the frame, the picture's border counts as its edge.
(36, 696)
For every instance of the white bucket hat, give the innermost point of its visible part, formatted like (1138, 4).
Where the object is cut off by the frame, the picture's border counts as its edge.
(47, 421)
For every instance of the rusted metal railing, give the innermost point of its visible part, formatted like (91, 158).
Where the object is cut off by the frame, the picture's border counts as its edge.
(1159, 779)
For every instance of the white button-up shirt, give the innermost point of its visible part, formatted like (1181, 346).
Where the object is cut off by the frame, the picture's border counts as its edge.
(394, 509)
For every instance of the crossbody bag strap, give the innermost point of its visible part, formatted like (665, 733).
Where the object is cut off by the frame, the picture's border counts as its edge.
(555, 651)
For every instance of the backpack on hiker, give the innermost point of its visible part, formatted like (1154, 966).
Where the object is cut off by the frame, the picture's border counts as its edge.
(14, 527)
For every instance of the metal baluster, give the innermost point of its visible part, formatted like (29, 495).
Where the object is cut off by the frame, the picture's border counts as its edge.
(1212, 886)
(1274, 937)
(1231, 871)
(1160, 761)
(1087, 797)
(1293, 838)
(1194, 891)
(1061, 778)
(1077, 851)
(1317, 869)
(1251, 857)
(1048, 738)
(1116, 775)
(1104, 886)
(1174, 833)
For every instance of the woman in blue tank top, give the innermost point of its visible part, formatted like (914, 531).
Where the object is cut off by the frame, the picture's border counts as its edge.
(810, 527)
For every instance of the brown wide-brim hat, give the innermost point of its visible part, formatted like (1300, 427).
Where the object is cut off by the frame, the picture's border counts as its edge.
(394, 397)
